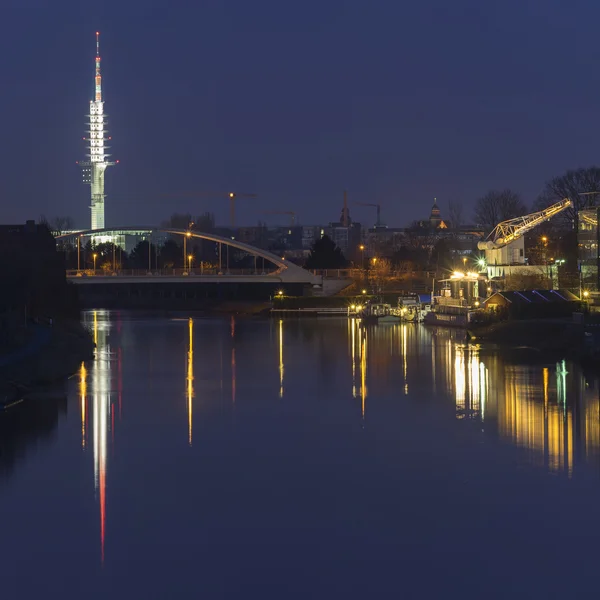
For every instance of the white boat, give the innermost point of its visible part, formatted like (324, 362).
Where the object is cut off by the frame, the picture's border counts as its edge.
(380, 313)
(413, 309)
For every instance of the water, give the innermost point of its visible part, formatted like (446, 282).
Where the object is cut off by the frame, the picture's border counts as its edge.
(232, 458)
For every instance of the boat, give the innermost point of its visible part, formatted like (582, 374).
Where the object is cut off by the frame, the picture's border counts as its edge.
(380, 314)
(413, 309)
(457, 302)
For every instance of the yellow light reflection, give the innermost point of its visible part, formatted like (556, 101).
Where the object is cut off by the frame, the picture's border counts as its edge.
(281, 367)
(353, 355)
(543, 425)
(470, 383)
(83, 396)
(404, 358)
(460, 380)
(363, 374)
(190, 377)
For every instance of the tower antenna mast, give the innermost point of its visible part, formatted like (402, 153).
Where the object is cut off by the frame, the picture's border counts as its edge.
(97, 163)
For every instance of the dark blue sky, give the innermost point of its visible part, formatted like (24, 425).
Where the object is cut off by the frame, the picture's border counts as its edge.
(397, 102)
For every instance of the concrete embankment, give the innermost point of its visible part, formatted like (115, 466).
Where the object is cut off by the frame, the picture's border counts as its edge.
(50, 354)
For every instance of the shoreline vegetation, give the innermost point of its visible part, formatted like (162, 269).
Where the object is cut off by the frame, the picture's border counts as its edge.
(46, 355)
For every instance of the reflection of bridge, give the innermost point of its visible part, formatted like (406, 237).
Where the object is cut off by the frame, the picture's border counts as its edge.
(283, 271)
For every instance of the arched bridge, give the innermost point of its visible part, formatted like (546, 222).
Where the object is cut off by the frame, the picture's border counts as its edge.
(285, 271)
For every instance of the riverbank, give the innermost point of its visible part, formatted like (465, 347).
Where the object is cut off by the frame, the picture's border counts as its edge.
(44, 354)
(546, 335)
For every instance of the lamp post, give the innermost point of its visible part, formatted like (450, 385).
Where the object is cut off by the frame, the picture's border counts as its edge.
(362, 256)
(95, 257)
(190, 258)
(188, 234)
(185, 237)
(78, 252)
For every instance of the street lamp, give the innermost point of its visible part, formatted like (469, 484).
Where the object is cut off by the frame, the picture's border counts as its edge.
(362, 256)
(190, 257)
(185, 237)
(95, 257)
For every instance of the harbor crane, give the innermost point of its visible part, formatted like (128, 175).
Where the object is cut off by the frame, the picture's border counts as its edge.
(505, 244)
(231, 195)
(282, 212)
(508, 231)
(378, 206)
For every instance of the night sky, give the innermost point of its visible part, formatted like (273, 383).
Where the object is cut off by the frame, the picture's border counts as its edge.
(397, 102)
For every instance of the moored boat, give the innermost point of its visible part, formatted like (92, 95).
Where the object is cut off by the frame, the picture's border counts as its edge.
(380, 314)
(413, 309)
(457, 302)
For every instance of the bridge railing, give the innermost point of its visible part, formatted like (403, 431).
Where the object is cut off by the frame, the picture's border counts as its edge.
(194, 272)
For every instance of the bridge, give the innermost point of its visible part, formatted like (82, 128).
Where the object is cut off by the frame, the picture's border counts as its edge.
(277, 270)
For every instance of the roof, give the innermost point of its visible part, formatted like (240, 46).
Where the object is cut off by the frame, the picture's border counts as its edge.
(534, 296)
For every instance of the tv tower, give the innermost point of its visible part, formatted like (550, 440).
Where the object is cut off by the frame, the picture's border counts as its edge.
(93, 169)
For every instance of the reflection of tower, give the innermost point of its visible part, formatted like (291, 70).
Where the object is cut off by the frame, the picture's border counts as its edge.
(190, 377)
(94, 168)
(281, 358)
(100, 388)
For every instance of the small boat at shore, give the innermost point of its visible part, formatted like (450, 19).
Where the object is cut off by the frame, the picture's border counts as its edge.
(457, 301)
(380, 314)
(414, 309)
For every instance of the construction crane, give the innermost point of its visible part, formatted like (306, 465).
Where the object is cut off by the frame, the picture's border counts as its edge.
(231, 195)
(282, 212)
(509, 231)
(378, 206)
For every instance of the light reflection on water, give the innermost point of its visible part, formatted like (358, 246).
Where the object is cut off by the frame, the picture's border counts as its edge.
(192, 371)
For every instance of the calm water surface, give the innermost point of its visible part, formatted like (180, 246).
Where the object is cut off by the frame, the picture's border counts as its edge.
(232, 458)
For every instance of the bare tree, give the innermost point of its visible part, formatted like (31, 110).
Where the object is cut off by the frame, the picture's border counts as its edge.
(58, 224)
(456, 213)
(380, 272)
(572, 185)
(495, 207)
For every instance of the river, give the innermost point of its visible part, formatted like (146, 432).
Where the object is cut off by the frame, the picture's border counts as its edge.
(233, 458)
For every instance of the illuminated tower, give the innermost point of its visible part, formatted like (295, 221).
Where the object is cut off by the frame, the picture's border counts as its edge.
(93, 169)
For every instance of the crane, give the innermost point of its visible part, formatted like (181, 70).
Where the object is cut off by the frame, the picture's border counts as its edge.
(508, 231)
(282, 212)
(231, 195)
(378, 206)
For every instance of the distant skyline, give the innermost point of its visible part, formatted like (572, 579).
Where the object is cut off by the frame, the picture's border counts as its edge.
(397, 103)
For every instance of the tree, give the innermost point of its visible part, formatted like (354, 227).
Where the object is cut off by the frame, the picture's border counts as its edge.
(106, 251)
(325, 255)
(205, 223)
(571, 185)
(58, 224)
(142, 256)
(495, 207)
(178, 221)
(379, 273)
(443, 255)
(456, 214)
(170, 254)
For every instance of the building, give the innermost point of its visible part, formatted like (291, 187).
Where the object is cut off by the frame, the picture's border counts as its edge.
(33, 272)
(534, 304)
(587, 243)
(93, 169)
